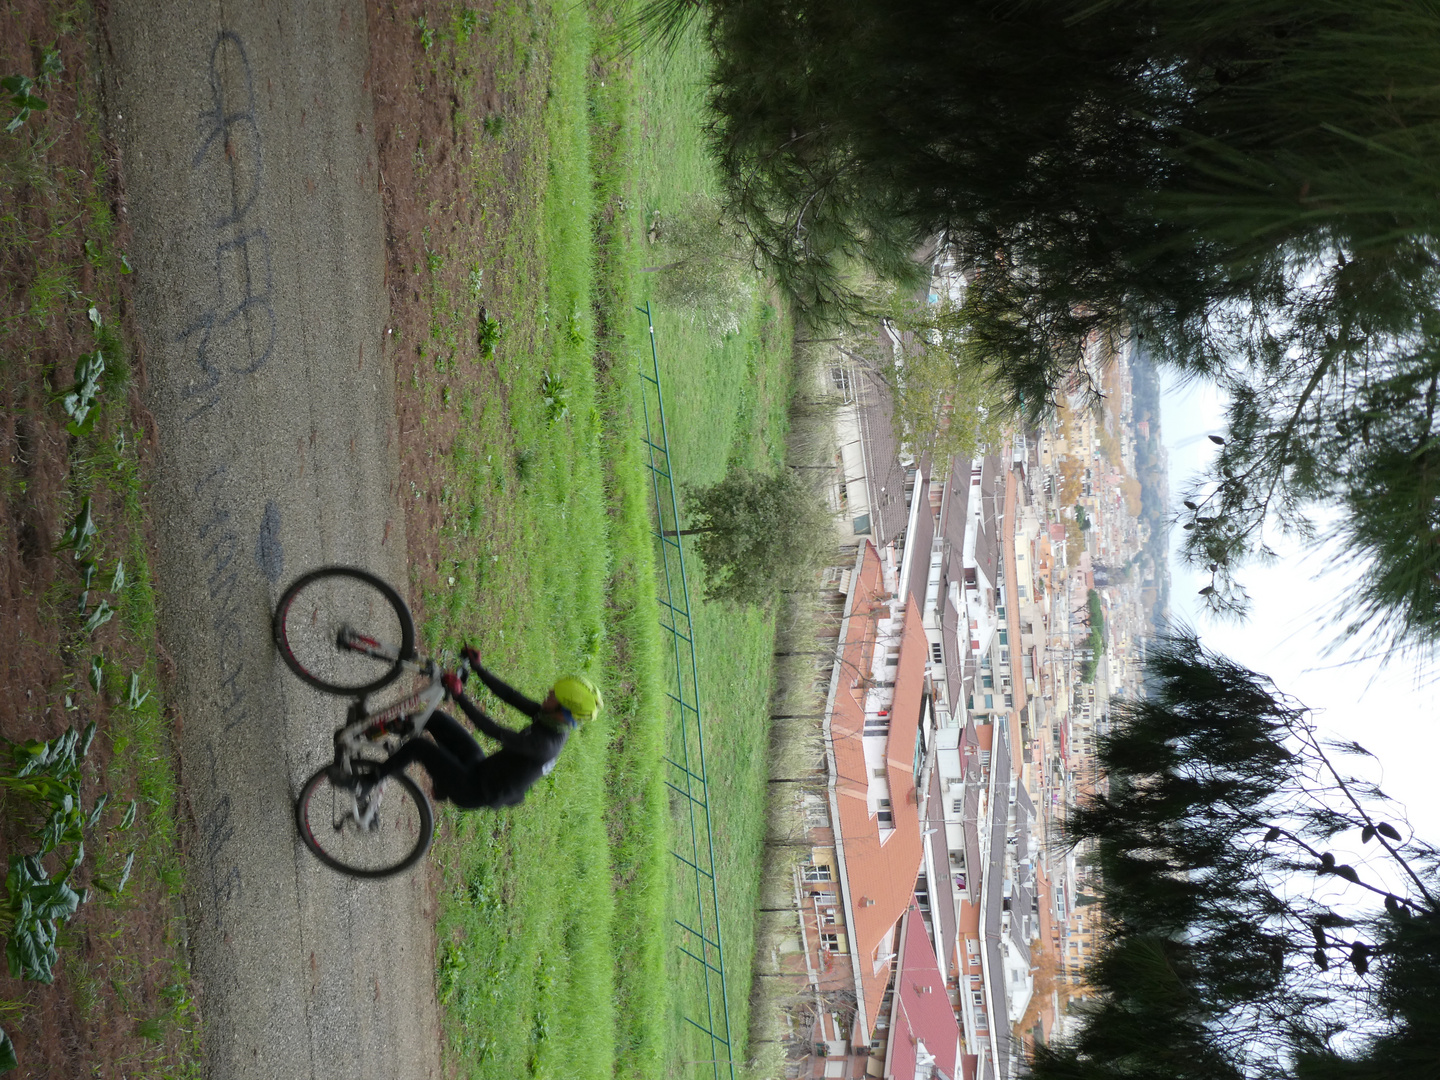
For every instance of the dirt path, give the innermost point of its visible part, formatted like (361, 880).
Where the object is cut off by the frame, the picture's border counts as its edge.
(249, 159)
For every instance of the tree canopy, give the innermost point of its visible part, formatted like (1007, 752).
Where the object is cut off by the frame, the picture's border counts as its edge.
(1250, 928)
(945, 403)
(1244, 187)
(758, 534)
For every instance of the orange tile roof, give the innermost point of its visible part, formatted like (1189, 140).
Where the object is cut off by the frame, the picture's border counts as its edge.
(881, 875)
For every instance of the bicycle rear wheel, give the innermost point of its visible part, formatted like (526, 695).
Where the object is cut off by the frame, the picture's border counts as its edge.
(391, 839)
(336, 602)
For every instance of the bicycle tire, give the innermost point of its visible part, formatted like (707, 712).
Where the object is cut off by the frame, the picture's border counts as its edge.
(406, 827)
(312, 611)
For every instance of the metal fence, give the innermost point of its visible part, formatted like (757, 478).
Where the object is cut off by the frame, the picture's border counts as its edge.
(700, 937)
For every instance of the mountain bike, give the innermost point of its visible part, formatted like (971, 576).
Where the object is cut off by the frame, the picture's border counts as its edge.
(347, 632)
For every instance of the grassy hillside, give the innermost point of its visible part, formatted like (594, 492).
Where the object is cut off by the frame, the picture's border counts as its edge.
(518, 353)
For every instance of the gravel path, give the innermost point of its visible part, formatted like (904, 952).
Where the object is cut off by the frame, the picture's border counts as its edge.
(249, 160)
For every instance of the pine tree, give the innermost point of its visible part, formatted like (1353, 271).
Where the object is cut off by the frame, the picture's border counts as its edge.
(1236, 944)
(1246, 187)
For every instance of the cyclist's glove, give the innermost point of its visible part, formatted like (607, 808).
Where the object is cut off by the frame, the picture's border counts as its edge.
(471, 655)
(451, 681)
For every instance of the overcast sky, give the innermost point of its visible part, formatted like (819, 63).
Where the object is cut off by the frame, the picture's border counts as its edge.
(1391, 711)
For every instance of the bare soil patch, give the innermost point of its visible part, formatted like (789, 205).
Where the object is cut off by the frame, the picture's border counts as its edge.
(120, 983)
(452, 189)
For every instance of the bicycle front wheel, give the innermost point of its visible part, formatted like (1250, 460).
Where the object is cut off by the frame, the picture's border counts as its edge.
(344, 630)
(387, 836)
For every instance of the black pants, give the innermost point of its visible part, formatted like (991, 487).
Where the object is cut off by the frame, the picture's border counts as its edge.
(458, 768)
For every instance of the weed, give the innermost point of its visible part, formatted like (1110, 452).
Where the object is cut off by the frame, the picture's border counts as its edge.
(556, 397)
(152, 1029)
(81, 534)
(477, 280)
(79, 403)
(495, 125)
(47, 776)
(525, 464)
(463, 24)
(134, 699)
(433, 261)
(427, 34)
(51, 285)
(102, 614)
(19, 88)
(488, 336)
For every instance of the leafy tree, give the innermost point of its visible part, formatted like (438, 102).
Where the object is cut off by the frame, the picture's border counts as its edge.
(1236, 942)
(710, 267)
(945, 404)
(759, 534)
(1246, 188)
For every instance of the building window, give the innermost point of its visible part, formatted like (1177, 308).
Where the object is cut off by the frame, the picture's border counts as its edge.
(832, 941)
(989, 701)
(1009, 700)
(935, 652)
(1004, 637)
(816, 873)
(987, 682)
(861, 525)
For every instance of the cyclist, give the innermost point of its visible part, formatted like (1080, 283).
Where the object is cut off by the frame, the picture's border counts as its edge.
(462, 773)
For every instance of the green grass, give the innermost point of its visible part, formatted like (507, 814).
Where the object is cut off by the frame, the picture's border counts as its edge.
(557, 949)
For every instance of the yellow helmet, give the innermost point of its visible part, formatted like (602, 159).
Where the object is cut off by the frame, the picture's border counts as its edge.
(578, 696)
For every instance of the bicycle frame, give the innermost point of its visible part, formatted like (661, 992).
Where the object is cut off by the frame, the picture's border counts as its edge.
(351, 742)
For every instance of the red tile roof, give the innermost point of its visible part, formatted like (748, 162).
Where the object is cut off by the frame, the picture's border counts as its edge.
(923, 1013)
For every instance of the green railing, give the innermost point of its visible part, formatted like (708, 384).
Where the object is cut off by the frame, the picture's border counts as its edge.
(700, 937)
